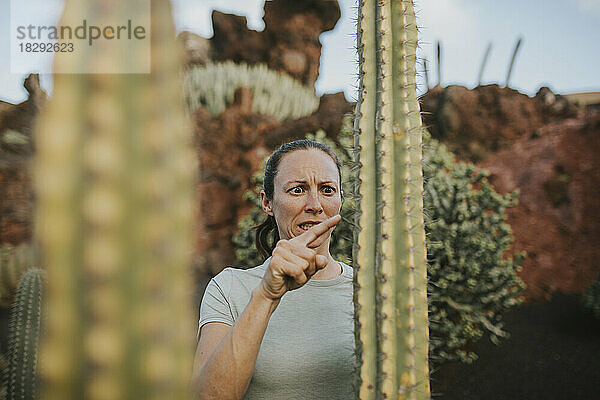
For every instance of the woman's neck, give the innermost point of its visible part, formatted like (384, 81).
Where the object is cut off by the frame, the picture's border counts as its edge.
(332, 270)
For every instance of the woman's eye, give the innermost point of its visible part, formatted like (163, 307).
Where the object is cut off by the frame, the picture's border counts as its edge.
(328, 190)
(297, 190)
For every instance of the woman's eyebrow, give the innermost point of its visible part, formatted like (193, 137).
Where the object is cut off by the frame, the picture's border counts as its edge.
(295, 181)
(330, 182)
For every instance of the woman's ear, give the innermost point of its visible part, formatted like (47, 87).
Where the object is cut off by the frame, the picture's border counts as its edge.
(265, 203)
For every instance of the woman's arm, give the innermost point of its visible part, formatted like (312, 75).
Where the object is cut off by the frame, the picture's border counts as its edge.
(226, 355)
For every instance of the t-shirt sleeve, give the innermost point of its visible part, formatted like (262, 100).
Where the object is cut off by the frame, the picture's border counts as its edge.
(215, 306)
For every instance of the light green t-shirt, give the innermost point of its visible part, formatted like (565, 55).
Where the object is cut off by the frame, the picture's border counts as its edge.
(308, 348)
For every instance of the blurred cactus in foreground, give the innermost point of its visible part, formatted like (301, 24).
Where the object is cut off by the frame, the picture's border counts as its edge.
(25, 324)
(390, 257)
(274, 93)
(14, 261)
(114, 179)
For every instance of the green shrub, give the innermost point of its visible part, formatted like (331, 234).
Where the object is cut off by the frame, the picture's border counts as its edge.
(470, 283)
(274, 93)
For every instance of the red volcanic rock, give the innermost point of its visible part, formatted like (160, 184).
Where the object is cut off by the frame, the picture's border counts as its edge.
(196, 48)
(556, 221)
(329, 117)
(476, 123)
(289, 42)
(232, 40)
(16, 197)
(230, 148)
(19, 117)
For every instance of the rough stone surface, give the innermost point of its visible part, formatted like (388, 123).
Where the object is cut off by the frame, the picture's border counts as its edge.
(554, 105)
(230, 149)
(19, 117)
(476, 123)
(556, 221)
(196, 48)
(16, 197)
(289, 42)
(547, 147)
(329, 115)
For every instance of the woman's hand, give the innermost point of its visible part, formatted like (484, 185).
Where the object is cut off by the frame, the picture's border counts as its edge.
(295, 261)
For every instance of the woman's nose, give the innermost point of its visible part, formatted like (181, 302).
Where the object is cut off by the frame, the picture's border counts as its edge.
(313, 205)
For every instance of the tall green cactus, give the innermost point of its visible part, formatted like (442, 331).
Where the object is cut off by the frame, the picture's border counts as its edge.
(390, 256)
(114, 179)
(25, 324)
(14, 261)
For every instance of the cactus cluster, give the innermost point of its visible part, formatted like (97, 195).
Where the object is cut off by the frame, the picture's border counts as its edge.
(13, 137)
(114, 179)
(21, 379)
(390, 257)
(14, 261)
(274, 93)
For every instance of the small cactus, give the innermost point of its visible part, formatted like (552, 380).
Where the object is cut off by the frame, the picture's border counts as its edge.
(22, 375)
(3, 372)
(14, 261)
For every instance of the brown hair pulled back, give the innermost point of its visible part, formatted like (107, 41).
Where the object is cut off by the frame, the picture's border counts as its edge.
(269, 225)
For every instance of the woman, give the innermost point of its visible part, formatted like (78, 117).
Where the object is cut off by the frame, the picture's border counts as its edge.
(284, 329)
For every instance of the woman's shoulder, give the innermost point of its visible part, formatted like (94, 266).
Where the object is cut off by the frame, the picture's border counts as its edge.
(347, 270)
(231, 274)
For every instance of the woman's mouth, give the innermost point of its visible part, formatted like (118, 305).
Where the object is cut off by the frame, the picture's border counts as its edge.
(307, 225)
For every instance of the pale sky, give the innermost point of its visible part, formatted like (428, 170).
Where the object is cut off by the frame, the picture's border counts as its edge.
(559, 49)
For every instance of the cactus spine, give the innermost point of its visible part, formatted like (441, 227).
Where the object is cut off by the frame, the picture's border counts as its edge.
(114, 177)
(22, 375)
(390, 255)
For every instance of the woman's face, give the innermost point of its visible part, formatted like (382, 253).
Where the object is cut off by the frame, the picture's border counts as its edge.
(306, 192)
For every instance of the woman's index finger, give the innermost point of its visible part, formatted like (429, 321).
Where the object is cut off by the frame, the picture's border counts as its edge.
(313, 233)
